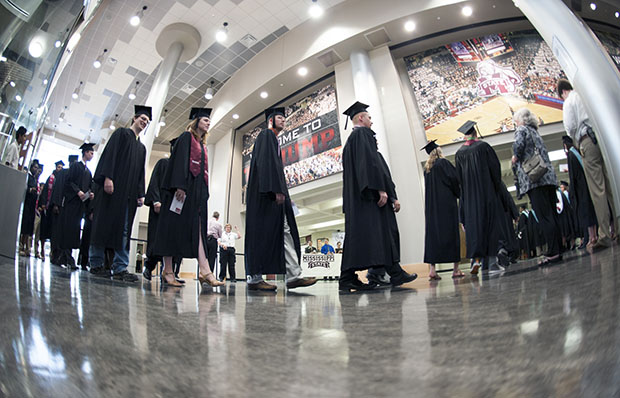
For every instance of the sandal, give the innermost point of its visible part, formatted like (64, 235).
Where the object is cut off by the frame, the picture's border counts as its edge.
(458, 274)
(434, 277)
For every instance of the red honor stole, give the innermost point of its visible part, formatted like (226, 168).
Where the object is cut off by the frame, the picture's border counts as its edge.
(195, 159)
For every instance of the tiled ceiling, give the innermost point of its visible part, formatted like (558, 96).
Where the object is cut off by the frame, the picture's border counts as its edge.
(132, 57)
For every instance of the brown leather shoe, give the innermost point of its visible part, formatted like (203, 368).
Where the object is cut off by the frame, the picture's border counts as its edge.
(300, 282)
(262, 285)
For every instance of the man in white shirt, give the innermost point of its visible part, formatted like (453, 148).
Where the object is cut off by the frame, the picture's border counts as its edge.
(227, 252)
(214, 232)
(12, 156)
(577, 125)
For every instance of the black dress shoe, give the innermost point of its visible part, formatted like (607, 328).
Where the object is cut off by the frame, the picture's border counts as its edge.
(125, 277)
(100, 272)
(147, 274)
(355, 284)
(402, 278)
(378, 280)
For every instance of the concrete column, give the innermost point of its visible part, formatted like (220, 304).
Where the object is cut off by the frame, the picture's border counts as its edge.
(365, 87)
(176, 43)
(211, 155)
(590, 70)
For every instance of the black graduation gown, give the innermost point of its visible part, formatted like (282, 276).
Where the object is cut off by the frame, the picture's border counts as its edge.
(391, 216)
(177, 234)
(479, 173)
(523, 233)
(30, 204)
(565, 219)
(122, 161)
(264, 222)
(78, 178)
(46, 215)
(154, 194)
(367, 241)
(56, 201)
(579, 193)
(442, 242)
(508, 239)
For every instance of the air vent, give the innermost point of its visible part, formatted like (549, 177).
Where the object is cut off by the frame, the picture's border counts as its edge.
(329, 58)
(188, 89)
(378, 37)
(248, 40)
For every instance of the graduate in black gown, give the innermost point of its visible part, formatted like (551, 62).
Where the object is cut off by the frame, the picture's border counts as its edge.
(369, 239)
(479, 173)
(119, 190)
(442, 243)
(77, 190)
(508, 243)
(579, 192)
(45, 198)
(153, 199)
(183, 232)
(271, 238)
(522, 233)
(29, 208)
(565, 218)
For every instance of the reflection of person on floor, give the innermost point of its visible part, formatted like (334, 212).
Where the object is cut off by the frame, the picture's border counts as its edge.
(369, 204)
(442, 242)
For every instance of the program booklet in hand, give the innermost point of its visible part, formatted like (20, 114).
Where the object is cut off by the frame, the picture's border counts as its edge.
(177, 205)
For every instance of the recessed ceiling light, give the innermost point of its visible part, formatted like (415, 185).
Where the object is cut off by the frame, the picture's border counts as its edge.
(18, 98)
(303, 71)
(222, 33)
(438, 18)
(12, 83)
(44, 81)
(264, 94)
(135, 20)
(35, 48)
(57, 43)
(467, 11)
(593, 6)
(235, 116)
(281, 84)
(199, 63)
(409, 26)
(617, 14)
(315, 9)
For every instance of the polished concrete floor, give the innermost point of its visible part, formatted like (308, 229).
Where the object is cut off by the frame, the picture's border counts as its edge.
(529, 332)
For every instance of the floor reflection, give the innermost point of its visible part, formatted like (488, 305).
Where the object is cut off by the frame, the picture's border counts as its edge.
(527, 332)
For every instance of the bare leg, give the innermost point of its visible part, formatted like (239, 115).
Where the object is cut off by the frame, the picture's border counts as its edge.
(205, 274)
(592, 232)
(432, 273)
(456, 272)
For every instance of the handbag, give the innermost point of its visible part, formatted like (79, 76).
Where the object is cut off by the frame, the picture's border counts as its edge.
(535, 167)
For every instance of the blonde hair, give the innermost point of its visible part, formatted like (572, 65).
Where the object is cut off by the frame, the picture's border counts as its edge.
(432, 158)
(227, 225)
(192, 127)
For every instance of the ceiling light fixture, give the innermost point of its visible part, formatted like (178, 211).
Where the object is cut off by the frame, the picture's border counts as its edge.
(57, 43)
(61, 117)
(315, 9)
(35, 48)
(113, 122)
(467, 11)
(3, 58)
(97, 63)
(209, 93)
(132, 93)
(162, 121)
(45, 82)
(617, 14)
(235, 116)
(303, 71)
(264, 94)
(222, 33)
(409, 26)
(593, 6)
(135, 20)
(12, 83)
(18, 98)
(76, 92)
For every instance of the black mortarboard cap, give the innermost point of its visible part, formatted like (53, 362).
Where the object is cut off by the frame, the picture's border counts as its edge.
(195, 113)
(60, 162)
(143, 110)
(567, 140)
(468, 128)
(87, 147)
(271, 112)
(172, 142)
(430, 146)
(73, 158)
(564, 183)
(353, 110)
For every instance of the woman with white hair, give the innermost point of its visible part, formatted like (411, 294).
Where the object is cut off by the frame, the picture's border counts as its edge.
(537, 179)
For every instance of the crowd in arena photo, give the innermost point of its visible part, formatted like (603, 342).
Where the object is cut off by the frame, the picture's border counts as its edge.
(312, 168)
(444, 88)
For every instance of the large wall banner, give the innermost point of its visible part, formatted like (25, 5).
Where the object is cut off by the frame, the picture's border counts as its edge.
(310, 142)
(485, 79)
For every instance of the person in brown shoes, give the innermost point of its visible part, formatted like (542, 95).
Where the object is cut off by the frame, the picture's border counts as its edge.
(271, 236)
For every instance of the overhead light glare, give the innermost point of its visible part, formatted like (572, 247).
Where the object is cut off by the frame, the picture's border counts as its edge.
(467, 11)
(264, 94)
(162, 122)
(132, 93)
(303, 71)
(617, 14)
(76, 92)
(409, 26)
(593, 6)
(97, 63)
(45, 82)
(135, 20)
(35, 48)
(235, 116)
(57, 43)
(3, 58)
(222, 33)
(315, 10)
(12, 83)
(18, 98)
